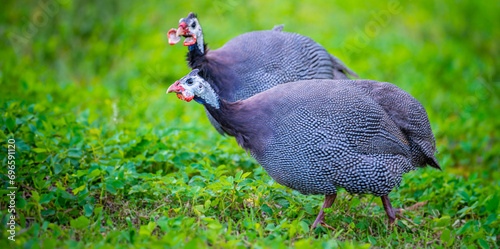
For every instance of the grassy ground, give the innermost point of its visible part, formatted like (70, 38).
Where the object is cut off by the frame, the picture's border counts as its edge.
(105, 158)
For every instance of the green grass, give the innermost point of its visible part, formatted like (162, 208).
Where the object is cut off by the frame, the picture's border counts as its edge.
(105, 158)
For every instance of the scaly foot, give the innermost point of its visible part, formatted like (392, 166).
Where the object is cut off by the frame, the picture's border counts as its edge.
(327, 226)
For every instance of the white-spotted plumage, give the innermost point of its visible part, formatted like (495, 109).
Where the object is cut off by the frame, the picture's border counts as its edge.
(320, 135)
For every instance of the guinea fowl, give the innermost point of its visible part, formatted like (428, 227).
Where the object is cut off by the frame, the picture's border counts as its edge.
(256, 61)
(316, 136)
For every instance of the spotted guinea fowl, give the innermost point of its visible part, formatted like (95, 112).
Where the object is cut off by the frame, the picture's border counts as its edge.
(316, 136)
(256, 61)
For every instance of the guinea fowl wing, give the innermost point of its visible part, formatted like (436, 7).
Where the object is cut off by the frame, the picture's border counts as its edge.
(264, 59)
(409, 116)
(328, 135)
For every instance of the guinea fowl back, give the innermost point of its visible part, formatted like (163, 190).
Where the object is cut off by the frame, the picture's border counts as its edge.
(260, 60)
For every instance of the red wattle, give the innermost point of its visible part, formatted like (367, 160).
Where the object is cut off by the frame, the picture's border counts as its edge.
(190, 43)
(172, 37)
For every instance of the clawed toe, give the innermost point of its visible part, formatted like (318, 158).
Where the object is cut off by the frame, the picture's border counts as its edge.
(398, 211)
(323, 224)
(416, 206)
(393, 212)
(327, 226)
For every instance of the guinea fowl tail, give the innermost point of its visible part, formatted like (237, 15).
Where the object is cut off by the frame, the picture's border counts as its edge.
(342, 67)
(278, 27)
(432, 161)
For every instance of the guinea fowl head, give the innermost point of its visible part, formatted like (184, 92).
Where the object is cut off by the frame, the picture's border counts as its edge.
(190, 29)
(192, 86)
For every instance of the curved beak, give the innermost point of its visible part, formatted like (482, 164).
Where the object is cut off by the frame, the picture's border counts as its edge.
(181, 92)
(175, 88)
(182, 29)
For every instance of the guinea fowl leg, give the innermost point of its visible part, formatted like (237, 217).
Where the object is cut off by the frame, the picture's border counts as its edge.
(392, 212)
(329, 199)
(389, 209)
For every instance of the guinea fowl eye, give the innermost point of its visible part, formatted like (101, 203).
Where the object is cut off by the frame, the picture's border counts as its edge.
(193, 24)
(189, 81)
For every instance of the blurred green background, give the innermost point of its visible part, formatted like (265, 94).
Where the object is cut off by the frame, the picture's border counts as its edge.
(76, 75)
